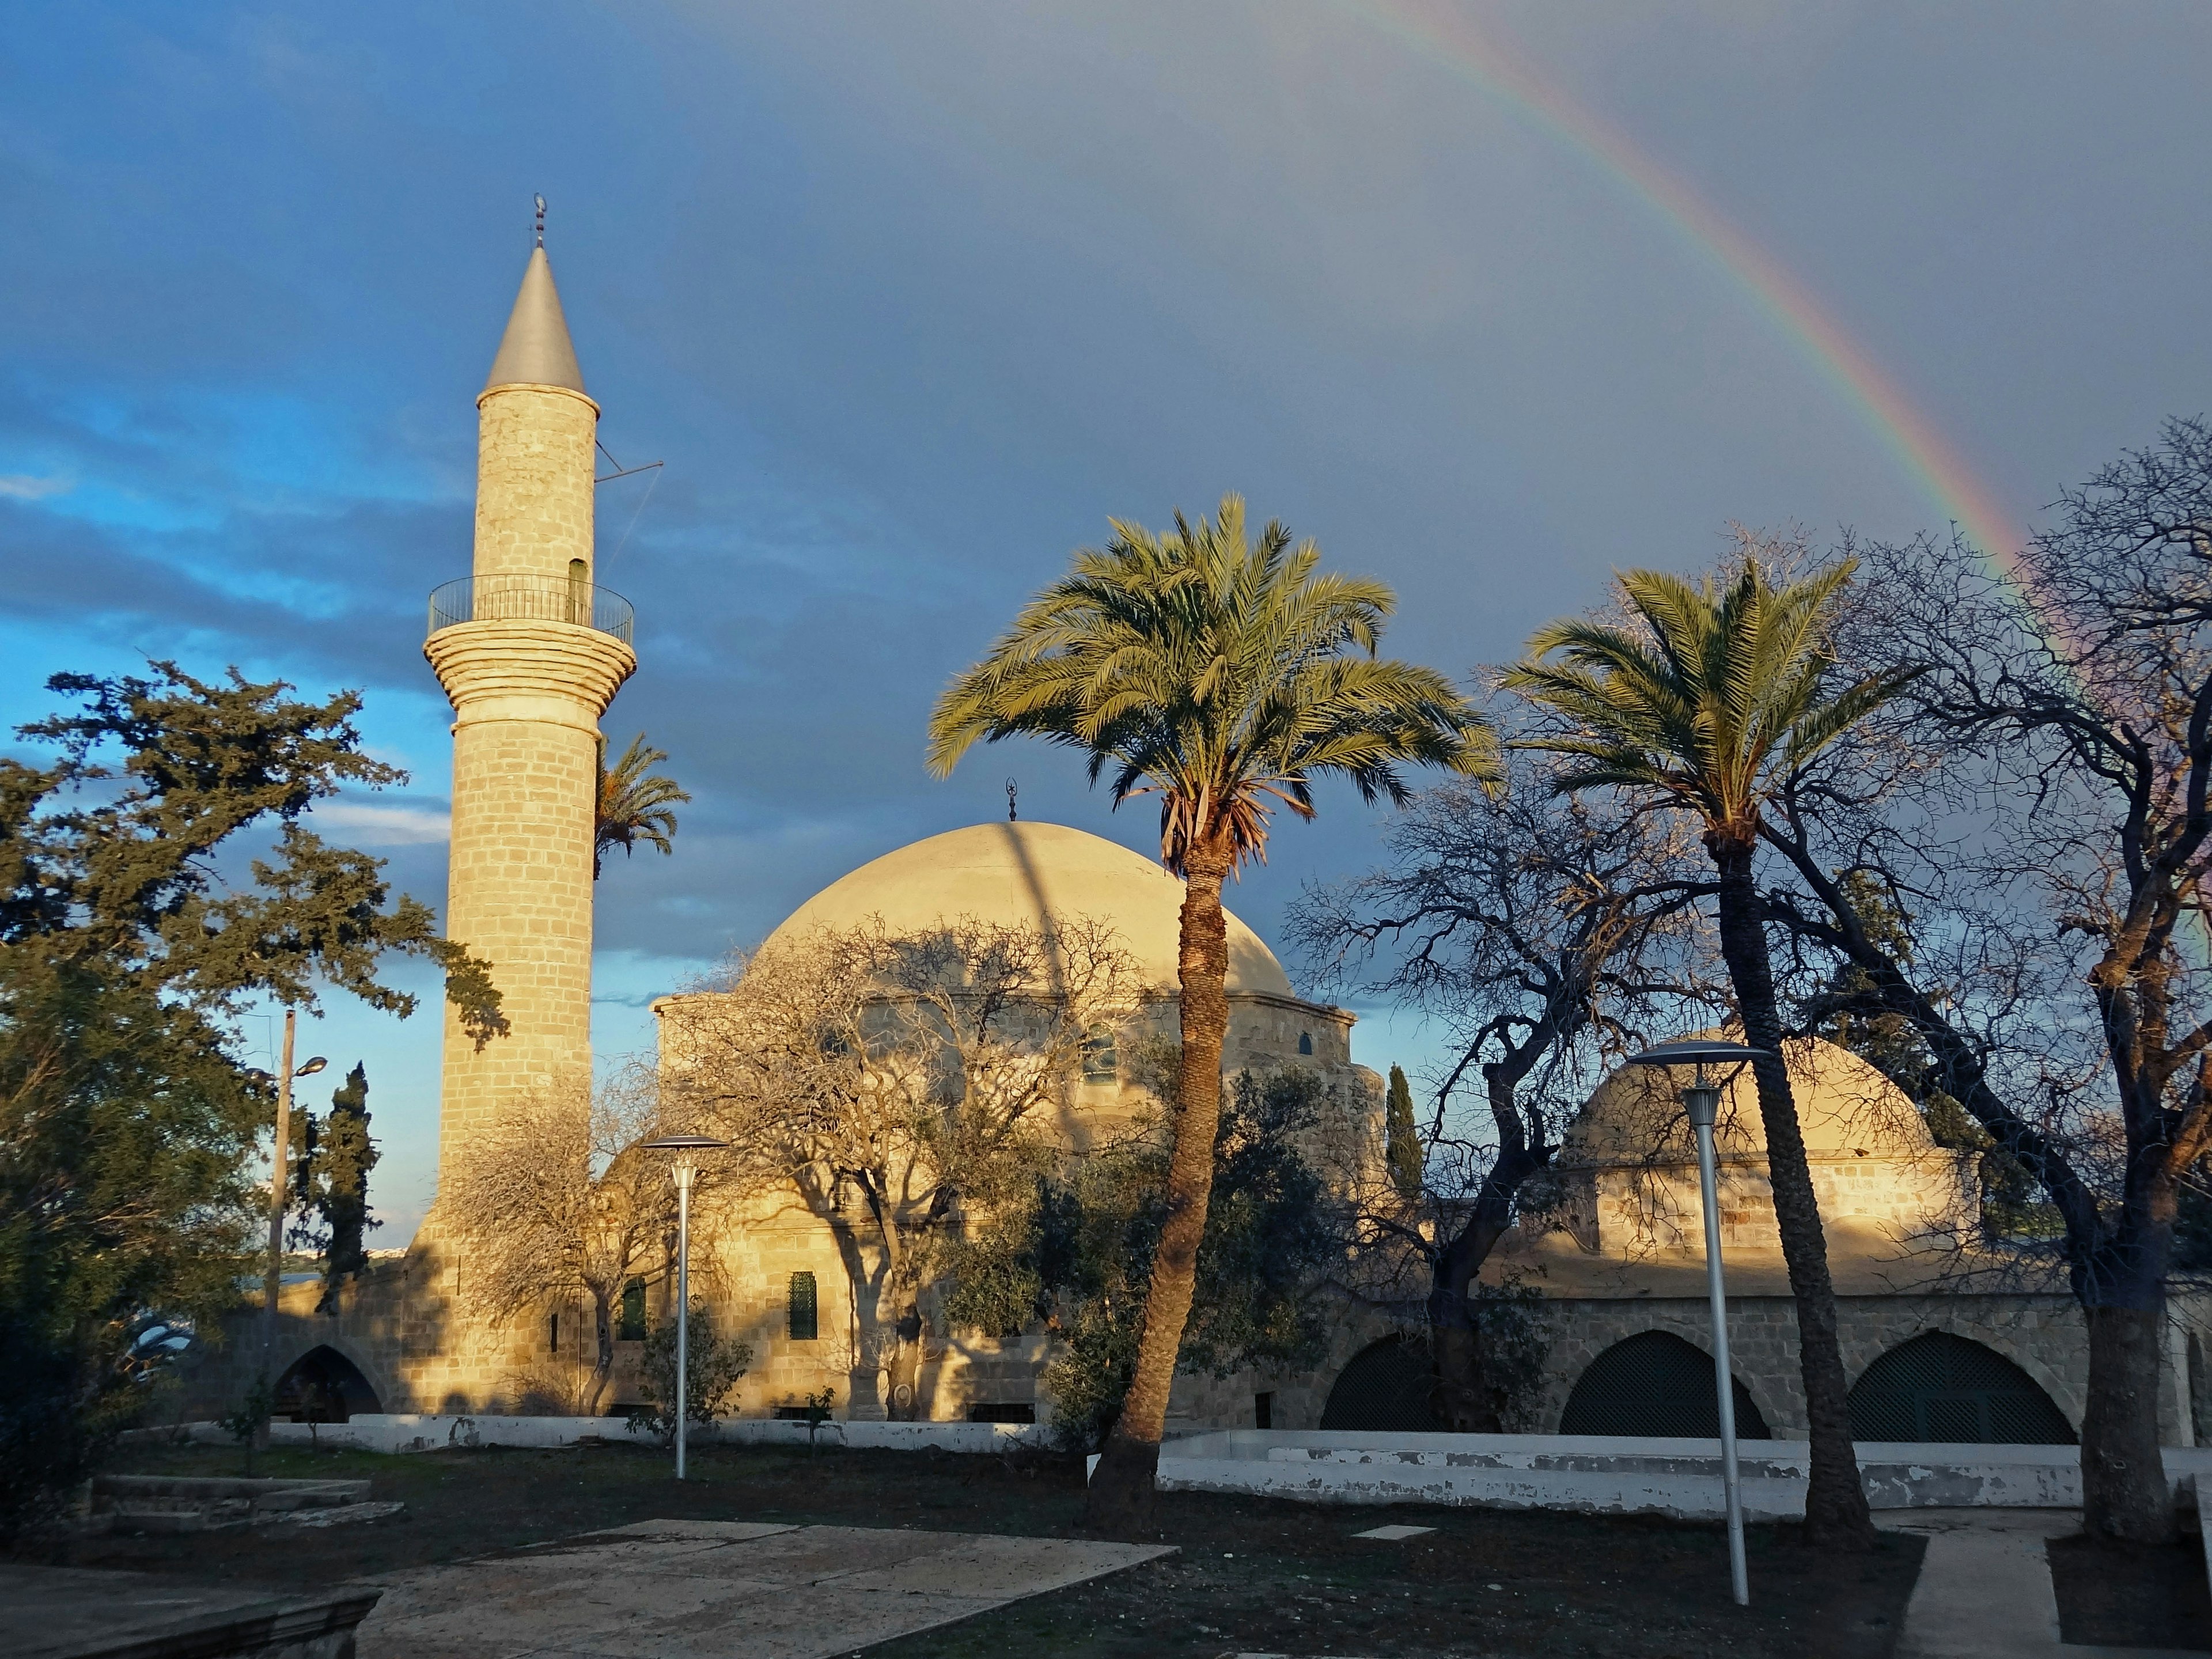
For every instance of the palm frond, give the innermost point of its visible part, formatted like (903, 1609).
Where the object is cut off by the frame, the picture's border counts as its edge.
(1219, 672)
(635, 803)
(1724, 691)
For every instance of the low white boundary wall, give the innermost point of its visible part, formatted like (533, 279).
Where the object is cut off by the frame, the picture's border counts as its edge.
(411, 1433)
(1607, 1475)
(1680, 1479)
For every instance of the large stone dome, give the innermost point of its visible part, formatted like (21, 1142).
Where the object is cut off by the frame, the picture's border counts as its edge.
(1845, 1108)
(1018, 874)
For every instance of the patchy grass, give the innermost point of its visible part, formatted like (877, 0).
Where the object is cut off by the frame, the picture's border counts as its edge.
(1252, 1574)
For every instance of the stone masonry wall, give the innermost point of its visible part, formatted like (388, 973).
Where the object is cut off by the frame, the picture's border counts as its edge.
(534, 467)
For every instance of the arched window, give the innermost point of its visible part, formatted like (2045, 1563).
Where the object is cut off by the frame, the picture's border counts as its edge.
(1656, 1386)
(632, 1327)
(1388, 1387)
(800, 1321)
(1305, 1042)
(579, 592)
(323, 1386)
(1940, 1387)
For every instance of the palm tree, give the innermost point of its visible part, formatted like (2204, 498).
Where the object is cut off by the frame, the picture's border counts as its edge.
(635, 805)
(1721, 694)
(1221, 675)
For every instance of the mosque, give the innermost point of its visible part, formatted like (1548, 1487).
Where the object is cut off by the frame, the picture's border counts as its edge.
(1943, 1341)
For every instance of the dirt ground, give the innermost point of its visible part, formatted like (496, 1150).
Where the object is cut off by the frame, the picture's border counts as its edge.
(1250, 1573)
(2125, 1595)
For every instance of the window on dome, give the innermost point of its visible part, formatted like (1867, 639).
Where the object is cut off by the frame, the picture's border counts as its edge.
(1305, 1042)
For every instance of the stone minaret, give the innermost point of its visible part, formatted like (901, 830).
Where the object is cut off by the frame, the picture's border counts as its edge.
(530, 653)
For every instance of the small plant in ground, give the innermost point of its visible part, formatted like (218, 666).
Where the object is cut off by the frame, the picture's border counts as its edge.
(245, 1424)
(817, 1407)
(713, 1364)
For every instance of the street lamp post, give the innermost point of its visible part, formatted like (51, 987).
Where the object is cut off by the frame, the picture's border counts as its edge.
(279, 1182)
(685, 1168)
(1702, 1101)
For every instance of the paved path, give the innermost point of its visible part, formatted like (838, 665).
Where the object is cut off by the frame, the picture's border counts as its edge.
(1985, 1590)
(713, 1590)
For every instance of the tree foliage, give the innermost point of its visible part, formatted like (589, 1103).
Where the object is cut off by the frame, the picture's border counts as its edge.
(1401, 1147)
(892, 1083)
(129, 934)
(330, 1185)
(634, 804)
(1075, 1253)
(558, 1200)
(119, 861)
(714, 1366)
(1708, 697)
(1223, 675)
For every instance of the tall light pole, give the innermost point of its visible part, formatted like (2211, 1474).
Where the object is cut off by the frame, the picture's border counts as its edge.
(280, 1181)
(1702, 1101)
(685, 1168)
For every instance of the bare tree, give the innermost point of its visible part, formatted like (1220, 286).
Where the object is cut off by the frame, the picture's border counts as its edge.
(2070, 710)
(1548, 938)
(559, 1202)
(897, 1083)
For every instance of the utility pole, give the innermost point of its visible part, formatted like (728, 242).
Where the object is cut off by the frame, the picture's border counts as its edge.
(280, 1182)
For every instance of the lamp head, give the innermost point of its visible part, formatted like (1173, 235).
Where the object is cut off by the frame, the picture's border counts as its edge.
(1697, 1051)
(312, 1066)
(686, 1166)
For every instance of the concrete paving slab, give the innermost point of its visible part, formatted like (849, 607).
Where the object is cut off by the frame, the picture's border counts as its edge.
(724, 1531)
(999, 1569)
(463, 1607)
(1984, 1591)
(706, 1590)
(832, 1620)
(812, 1555)
(612, 1551)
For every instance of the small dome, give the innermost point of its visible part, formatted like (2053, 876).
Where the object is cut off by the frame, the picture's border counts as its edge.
(1016, 874)
(1845, 1108)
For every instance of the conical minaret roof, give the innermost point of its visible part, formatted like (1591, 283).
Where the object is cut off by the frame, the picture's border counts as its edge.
(535, 349)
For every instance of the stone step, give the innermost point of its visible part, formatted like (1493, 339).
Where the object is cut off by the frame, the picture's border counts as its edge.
(259, 1496)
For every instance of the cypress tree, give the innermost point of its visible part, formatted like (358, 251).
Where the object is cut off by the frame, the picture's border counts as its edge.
(344, 1157)
(1401, 1141)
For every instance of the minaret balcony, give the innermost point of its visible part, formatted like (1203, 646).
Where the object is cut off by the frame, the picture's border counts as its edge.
(520, 596)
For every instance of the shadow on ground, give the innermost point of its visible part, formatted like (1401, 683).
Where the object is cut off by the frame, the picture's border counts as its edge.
(1252, 1574)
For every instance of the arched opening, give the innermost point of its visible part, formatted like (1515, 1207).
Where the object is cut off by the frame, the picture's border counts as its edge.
(1388, 1387)
(324, 1386)
(1941, 1387)
(1656, 1386)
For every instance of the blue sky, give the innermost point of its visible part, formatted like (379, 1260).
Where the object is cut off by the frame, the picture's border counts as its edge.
(909, 299)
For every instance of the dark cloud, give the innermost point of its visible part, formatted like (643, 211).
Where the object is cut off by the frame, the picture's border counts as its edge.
(910, 300)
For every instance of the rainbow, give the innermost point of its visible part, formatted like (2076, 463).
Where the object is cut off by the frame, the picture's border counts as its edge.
(1454, 44)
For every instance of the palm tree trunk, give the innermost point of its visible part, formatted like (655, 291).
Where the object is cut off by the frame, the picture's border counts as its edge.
(1121, 1495)
(1836, 1511)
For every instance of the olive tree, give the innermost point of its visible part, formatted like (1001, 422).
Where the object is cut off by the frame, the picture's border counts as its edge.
(896, 1084)
(559, 1200)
